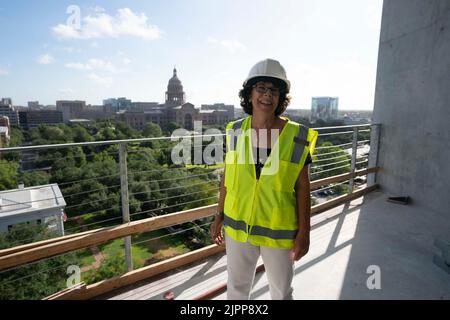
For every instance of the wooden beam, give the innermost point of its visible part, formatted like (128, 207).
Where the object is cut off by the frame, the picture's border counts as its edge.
(341, 177)
(103, 235)
(27, 246)
(81, 287)
(341, 199)
(108, 285)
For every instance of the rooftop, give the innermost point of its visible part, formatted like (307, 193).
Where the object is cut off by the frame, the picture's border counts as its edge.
(346, 243)
(28, 200)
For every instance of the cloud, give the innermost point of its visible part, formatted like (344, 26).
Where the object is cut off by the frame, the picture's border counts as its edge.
(45, 59)
(98, 9)
(102, 81)
(3, 72)
(101, 25)
(66, 91)
(126, 61)
(93, 64)
(232, 46)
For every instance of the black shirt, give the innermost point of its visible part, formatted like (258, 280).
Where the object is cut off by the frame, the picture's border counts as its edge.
(261, 154)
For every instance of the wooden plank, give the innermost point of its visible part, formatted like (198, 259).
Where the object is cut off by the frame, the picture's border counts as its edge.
(341, 177)
(27, 246)
(341, 199)
(56, 296)
(134, 276)
(103, 235)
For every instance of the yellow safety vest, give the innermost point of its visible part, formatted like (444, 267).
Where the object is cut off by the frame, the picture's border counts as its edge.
(264, 212)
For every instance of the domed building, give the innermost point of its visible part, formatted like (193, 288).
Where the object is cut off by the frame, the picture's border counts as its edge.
(175, 95)
(175, 109)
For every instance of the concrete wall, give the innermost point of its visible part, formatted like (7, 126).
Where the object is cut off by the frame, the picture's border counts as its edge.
(412, 101)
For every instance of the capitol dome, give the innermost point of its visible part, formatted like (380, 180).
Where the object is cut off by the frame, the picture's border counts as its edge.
(174, 82)
(175, 94)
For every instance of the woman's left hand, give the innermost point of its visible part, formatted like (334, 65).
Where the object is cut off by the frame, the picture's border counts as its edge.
(301, 247)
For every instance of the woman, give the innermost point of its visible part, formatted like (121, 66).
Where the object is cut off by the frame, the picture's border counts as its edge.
(264, 202)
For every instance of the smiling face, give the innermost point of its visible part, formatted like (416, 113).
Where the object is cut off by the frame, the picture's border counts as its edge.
(265, 102)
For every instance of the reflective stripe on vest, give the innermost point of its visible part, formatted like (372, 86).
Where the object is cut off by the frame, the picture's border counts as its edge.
(235, 134)
(258, 230)
(300, 142)
(236, 225)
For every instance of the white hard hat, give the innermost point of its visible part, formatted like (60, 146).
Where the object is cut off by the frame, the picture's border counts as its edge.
(268, 68)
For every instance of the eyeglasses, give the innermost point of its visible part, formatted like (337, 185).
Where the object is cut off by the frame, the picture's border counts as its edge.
(262, 89)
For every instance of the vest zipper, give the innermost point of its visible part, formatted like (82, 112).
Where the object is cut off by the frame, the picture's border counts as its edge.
(255, 192)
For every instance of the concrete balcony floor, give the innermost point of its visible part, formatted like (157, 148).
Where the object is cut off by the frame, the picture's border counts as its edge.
(345, 241)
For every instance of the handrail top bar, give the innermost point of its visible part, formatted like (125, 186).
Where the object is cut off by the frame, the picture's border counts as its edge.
(349, 126)
(109, 142)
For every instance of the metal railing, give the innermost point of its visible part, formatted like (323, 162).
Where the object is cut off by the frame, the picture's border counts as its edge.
(333, 156)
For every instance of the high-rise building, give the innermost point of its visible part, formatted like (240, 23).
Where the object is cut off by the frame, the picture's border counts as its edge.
(71, 109)
(5, 130)
(34, 118)
(34, 105)
(324, 108)
(6, 101)
(117, 104)
(7, 109)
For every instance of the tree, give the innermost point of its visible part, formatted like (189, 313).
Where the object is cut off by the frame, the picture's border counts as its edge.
(53, 134)
(123, 131)
(80, 134)
(171, 127)
(111, 267)
(16, 137)
(8, 174)
(36, 280)
(337, 162)
(106, 134)
(34, 178)
(152, 130)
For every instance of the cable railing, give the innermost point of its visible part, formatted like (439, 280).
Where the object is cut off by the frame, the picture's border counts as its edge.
(126, 189)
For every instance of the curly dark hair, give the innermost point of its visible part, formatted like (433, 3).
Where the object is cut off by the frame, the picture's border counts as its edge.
(245, 92)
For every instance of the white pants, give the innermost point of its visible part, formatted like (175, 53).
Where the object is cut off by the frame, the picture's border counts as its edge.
(241, 265)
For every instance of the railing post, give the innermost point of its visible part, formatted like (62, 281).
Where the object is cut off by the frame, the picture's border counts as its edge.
(125, 202)
(353, 164)
(373, 153)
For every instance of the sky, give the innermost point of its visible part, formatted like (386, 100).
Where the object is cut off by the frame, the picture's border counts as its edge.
(93, 50)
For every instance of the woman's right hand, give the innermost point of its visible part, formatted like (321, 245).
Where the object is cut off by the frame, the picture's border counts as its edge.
(216, 231)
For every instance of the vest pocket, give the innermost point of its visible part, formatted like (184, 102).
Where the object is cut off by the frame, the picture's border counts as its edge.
(286, 176)
(229, 205)
(284, 218)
